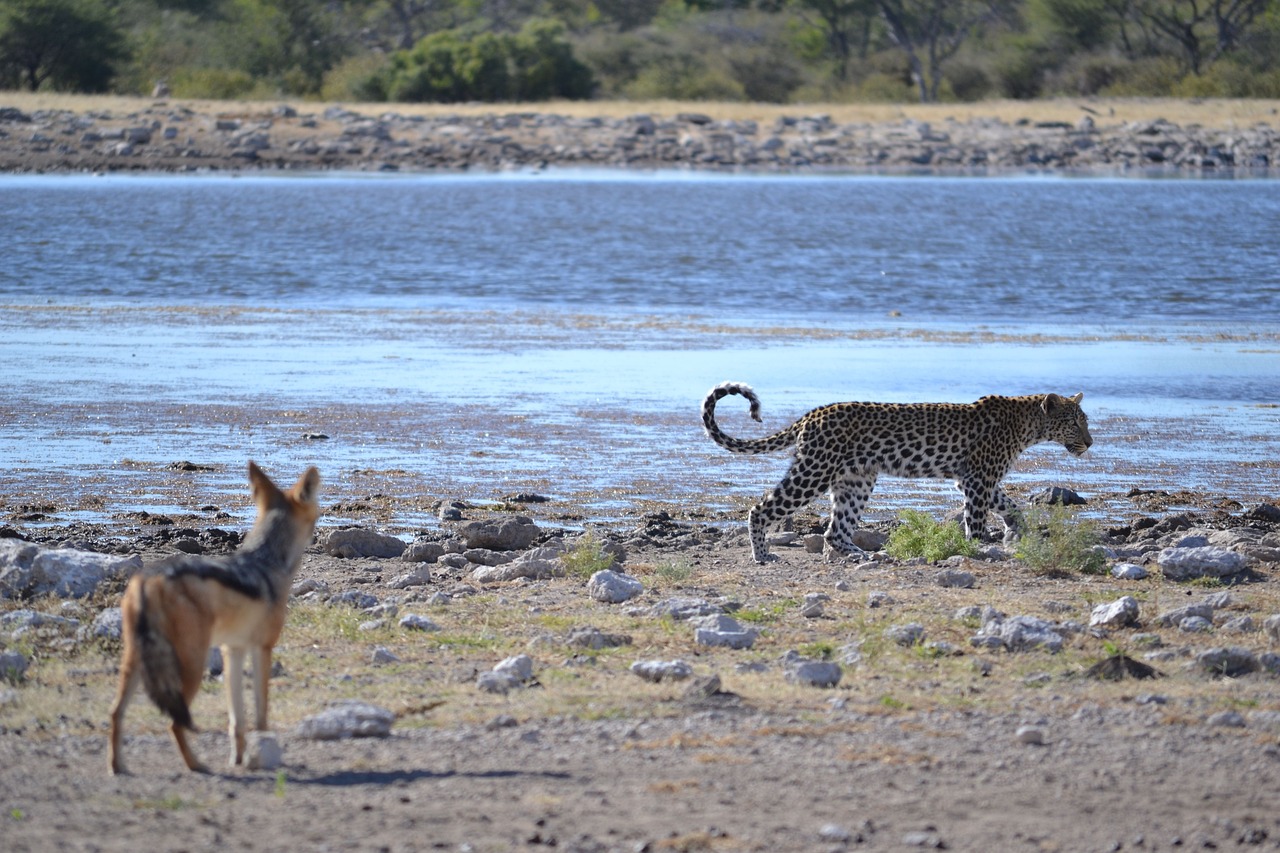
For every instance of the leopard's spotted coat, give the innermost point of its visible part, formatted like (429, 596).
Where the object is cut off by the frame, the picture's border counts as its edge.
(843, 447)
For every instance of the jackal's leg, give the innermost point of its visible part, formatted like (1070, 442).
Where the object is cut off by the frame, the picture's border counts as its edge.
(130, 675)
(233, 676)
(261, 675)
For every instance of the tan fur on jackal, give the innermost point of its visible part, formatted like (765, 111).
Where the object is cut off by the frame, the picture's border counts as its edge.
(175, 610)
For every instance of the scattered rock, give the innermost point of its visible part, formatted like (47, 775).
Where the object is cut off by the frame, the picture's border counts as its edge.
(1128, 572)
(414, 622)
(723, 630)
(28, 570)
(1120, 613)
(511, 533)
(955, 579)
(1189, 563)
(1030, 735)
(591, 637)
(810, 673)
(423, 551)
(662, 670)
(909, 634)
(1228, 662)
(354, 542)
(613, 587)
(347, 719)
(263, 751)
(13, 666)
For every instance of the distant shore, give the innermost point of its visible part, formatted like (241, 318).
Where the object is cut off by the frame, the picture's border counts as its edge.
(68, 134)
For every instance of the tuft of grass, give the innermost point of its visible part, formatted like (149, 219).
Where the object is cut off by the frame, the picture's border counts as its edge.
(766, 613)
(586, 557)
(819, 650)
(281, 779)
(920, 536)
(674, 571)
(1056, 539)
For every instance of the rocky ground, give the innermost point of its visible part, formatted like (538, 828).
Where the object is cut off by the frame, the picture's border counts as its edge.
(164, 136)
(973, 704)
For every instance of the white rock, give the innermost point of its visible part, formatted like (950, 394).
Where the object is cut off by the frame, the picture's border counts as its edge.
(519, 667)
(347, 719)
(414, 622)
(662, 670)
(1128, 572)
(263, 751)
(613, 587)
(1032, 735)
(722, 630)
(1118, 614)
(1214, 561)
(814, 673)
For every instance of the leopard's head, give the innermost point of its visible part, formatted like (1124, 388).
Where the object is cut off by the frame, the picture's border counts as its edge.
(1066, 423)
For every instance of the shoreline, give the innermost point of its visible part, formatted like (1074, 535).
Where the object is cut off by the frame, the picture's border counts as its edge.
(68, 135)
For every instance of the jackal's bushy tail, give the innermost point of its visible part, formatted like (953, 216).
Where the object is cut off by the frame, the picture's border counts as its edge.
(777, 441)
(161, 670)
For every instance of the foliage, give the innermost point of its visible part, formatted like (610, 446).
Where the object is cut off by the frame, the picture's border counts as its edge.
(920, 536)
(536, 64)
(586, 557)
(71, 45)
(1056, 539)
(781, 51)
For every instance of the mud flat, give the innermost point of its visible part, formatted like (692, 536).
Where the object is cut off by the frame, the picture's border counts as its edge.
(51, 134)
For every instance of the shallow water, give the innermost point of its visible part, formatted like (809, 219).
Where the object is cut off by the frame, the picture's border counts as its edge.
(474, 337)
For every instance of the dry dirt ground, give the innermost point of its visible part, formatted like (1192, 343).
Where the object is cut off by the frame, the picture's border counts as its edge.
(910, 750)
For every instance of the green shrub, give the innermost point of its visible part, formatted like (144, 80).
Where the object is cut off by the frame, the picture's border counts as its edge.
(920, 536)
(1056, 539)
(218, 84)
(586, 557)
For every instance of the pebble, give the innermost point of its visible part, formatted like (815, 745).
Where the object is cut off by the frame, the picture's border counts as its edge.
(1032, 735)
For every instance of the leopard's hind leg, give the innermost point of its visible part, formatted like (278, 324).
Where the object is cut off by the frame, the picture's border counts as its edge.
(849, 496)
(804, 481)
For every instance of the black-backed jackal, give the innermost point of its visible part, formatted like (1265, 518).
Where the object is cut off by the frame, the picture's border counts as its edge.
(175, 610)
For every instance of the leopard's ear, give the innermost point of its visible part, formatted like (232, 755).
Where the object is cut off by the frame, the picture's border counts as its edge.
(1077, 398)
(1051, 402)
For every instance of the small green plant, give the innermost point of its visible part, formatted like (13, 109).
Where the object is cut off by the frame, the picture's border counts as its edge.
(17, 814)
(819, 650)
(920, 536)
(281, 779)
(1056, 539)
(888, 701)
(766, 613)
(586, 557)
(674, 571)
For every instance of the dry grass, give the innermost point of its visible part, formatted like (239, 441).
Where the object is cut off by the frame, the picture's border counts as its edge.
(1218, 112)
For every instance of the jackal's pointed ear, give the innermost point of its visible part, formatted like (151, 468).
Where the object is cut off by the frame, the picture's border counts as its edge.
(308, 486)
(260, 484)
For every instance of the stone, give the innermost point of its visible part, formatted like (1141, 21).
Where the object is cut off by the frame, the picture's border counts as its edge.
(418, 577)
(1057, 496)
(723, 630)
(347, 719)
(683, 609)
(414, 622)
(1195, 625)
(908, 634)
(496, 682)
(593, 638)
(543, 562)
(519, 667)
(1018, 634)
(1173, 618)
(814, 605)
(955, 579)
(1226, 719)
(1128, 572)
(381, 654)
(423, 551)
(354, 542)
(511, 533)
(1120, 613)
(352, 598)
(880, 599)
(28, 570)
(262, 751)
(107, 625)
(1214, 561)
(813, 673)
(13, 666)
(662, 670)
(1031, 735)
(1271, 625)
(1228, 662)
(613, 587)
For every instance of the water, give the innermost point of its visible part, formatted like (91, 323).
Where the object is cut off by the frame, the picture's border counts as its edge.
(475, 336)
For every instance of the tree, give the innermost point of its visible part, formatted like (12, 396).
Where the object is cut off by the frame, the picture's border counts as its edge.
(1203, 30)
(930, 32)
(845, 24)
(73, 45)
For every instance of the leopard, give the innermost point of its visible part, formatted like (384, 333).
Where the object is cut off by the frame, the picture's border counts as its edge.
(841, 449)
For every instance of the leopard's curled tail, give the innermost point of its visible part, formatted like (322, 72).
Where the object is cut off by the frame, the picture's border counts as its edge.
(777, 441)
